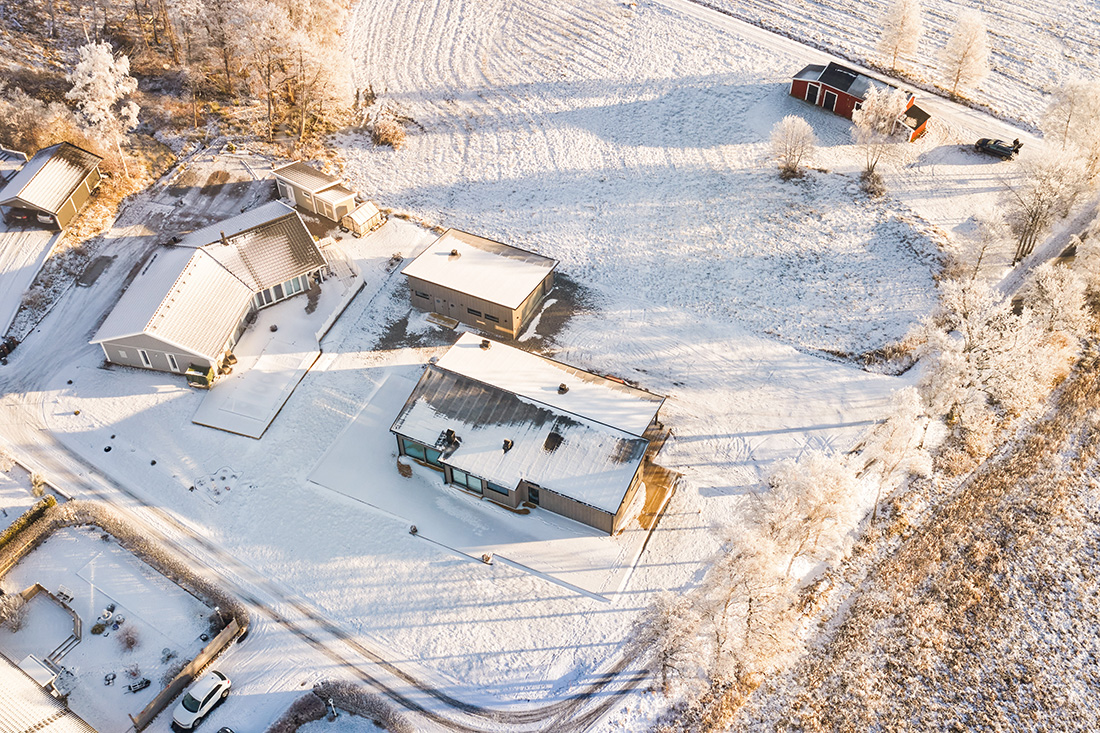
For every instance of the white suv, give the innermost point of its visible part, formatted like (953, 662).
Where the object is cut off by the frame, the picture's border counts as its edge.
(200, 700)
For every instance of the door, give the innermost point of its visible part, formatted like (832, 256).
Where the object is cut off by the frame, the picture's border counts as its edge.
(533, 494)
(811, 93)
(830, 101)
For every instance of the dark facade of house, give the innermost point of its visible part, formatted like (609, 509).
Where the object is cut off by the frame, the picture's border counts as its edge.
(842, 90)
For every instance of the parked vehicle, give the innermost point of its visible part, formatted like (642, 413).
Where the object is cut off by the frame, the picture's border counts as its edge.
(999, 148)
(211, 689)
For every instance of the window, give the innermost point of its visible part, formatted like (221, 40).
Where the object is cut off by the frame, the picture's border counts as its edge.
(461, 478)
(258, 301)
(278, 292)
(432, 456)
(859, 106)
(413, 450)
(498, 489)
(291, 287)
(172, 363)
(144, 358)
(494, 319)
(419, 294)
(473, 312)
(266, 296)
(122, 353)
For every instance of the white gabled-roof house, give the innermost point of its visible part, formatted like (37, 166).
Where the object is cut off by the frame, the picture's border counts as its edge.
(190, 303)
(515, 427)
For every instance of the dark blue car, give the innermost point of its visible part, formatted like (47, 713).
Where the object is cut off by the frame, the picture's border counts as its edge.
(999, 148)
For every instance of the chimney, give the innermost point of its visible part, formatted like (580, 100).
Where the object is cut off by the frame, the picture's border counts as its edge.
(454, 253)
(451, 437)
(563, 388)
(224, 240)
(507, 444)
(485, 343)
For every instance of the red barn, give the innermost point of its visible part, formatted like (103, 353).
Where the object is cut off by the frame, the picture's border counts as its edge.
(841, 90)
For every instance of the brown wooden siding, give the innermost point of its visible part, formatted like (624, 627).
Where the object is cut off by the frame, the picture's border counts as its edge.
(621, 516)
(552, 501)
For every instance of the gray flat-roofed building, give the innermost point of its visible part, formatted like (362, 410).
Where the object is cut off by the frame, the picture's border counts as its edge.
(493, 286)
(55, 184)
(314, 191)
(191, 304)
(515, 427)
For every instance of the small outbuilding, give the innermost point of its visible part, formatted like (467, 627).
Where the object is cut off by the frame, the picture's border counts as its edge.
(510, 426)
(314, 191)
(842, 90)
(479, 282)
(52, 187)
(365, 219)
(191, 303)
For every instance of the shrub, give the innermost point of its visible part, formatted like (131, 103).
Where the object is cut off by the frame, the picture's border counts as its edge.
(305, 709)
(388, 132)
(13, 611)
(98, 629)
(872, 184)
(172, 671)
(357, 701)
(7, 463)
(128, 638)
(38, 484)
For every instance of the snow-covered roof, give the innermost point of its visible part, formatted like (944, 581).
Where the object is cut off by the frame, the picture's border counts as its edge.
(842, 78)
(302, 176)
(194, 298)
(26, 706)
(587, 461)
(10, 163)
(364, 213)
(335, 194)
(237, 224)
(269, 254)
(48, 179)
(522, 373)
(491, 271)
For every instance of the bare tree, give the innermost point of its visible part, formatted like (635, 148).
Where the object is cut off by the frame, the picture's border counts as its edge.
(1072, 119)
(101, 85)
(1048, 189)
(1057, 299)
(793, 141)
(897, 443)
(264, 49)
(965, 58)
(671, 624)
(901, 30)
(876, 122)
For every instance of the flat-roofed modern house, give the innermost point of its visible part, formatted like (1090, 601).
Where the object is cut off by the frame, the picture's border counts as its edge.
(493, 286)
(842, 90)
(314, 191)
(53, 186)
(190, 303)
(515, 427)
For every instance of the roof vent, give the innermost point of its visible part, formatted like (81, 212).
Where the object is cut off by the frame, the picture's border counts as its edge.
(451, 437)
(454, 253)
(563, 388)
(507, 444)
(485, 343)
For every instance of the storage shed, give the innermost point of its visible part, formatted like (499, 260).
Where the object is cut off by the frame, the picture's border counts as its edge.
(842, 90)
(190, 304)
(365, 219)
(517, 428)
(52, 187)
(487, 284)
(314, 191)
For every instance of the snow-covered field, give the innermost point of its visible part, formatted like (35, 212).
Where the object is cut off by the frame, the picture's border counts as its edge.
(631, 144)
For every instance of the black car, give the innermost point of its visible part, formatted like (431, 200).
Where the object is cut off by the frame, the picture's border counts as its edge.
(999, 148)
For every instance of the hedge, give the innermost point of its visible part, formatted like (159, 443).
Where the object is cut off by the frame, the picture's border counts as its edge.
(26, 518)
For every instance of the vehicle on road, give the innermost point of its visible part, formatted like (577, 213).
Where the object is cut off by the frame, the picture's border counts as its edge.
(211, 689)
(999, 148)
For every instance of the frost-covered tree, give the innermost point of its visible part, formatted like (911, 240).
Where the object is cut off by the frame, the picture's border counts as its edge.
(224, 28)
(1046, 191)
(101, 85)
(1072, 120)
(808, 508)
(671, 625)
(897, 444)
(1057, 299)
(965, 58)
(319, 85)
(793, 141)
(901, 30)
(876, 122)
(264, 50)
